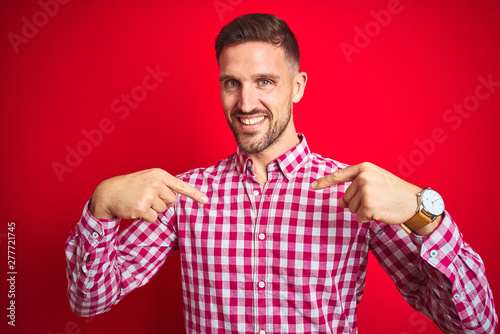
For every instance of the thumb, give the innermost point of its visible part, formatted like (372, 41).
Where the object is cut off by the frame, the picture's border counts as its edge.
(339, 176)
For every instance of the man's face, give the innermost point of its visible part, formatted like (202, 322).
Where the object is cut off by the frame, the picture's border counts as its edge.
(256, 93)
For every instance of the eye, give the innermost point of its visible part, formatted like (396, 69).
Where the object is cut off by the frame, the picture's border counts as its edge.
(232, 83)
(264, 82)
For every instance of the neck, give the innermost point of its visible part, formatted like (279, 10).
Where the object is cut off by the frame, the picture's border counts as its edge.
(282, 145)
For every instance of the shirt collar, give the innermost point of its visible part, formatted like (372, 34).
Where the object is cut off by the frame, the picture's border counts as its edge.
(289, 163)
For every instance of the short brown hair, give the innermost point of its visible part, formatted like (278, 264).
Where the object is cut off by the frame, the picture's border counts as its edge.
(259, 27)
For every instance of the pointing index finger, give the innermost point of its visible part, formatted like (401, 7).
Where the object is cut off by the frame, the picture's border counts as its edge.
(339, 176)
(183, 188)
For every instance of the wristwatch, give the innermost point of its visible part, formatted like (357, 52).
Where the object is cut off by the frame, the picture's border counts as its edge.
(430, 206)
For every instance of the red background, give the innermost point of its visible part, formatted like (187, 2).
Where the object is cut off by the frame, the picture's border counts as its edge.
(394, 92)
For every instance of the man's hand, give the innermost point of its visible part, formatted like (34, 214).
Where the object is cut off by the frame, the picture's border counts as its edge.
(140, 195)
(375, 194)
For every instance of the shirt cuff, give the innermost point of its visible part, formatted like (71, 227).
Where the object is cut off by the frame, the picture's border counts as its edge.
(96, 237)
(441, 247)
(94, 231)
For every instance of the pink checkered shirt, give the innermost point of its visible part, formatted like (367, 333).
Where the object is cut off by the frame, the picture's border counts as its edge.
(282, 258)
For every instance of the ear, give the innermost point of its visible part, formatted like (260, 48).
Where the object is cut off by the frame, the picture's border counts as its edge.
(299, 85)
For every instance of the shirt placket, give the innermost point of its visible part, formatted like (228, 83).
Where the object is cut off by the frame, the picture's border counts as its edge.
(262, 197)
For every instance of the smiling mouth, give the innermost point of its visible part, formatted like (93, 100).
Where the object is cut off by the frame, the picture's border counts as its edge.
(250, 121)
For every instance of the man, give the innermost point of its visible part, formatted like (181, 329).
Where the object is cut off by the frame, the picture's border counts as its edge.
(275, 238)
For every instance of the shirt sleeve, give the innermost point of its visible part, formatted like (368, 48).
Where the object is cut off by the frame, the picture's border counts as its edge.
(103, 266)
(440, 275)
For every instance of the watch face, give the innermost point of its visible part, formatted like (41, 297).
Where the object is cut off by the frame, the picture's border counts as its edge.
(432, 202)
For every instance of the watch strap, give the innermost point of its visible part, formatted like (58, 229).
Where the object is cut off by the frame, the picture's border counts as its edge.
(419, 220)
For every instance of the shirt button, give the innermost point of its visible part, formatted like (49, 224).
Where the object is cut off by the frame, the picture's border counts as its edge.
(262, 284)
(262, 332)
(262, 236)
(95, 234)
(434, 253)
(288, 175)
(256, 193)
(456, 295)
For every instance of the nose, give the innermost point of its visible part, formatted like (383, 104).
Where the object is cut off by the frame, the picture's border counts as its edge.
(248, 98)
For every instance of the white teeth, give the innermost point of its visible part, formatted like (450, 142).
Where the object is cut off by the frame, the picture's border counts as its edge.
(250, 121)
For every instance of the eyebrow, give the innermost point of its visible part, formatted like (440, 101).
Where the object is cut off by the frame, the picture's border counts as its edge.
(254, 76)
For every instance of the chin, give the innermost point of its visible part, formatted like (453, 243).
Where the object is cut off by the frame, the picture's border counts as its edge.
(250, 145)
(255, 147)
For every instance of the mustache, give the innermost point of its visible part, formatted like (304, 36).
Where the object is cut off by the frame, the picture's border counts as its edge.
(239, 112)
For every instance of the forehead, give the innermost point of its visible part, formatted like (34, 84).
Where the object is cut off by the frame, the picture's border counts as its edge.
(252, 57)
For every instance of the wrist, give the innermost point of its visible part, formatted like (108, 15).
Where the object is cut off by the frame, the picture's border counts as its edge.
(97, 210)
(429, 228)
(429, 213)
